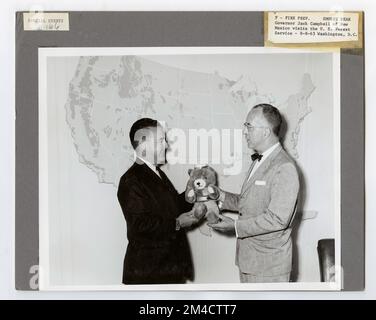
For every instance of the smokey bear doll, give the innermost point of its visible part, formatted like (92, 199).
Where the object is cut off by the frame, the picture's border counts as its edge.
(199, 191)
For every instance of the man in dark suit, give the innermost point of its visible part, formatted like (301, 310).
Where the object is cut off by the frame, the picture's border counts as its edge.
(158, 251)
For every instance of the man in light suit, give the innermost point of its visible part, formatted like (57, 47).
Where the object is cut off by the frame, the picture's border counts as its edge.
(266, 204)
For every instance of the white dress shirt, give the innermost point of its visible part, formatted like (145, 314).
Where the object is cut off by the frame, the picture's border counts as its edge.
(265, 154)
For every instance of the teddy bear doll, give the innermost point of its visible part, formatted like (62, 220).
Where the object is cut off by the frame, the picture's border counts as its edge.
(200, 192)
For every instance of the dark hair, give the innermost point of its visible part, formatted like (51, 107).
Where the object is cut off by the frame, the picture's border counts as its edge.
(141, 124)
(272, 115)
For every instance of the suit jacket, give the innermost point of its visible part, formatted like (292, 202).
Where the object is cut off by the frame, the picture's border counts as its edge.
(266, 207)
(156, 252)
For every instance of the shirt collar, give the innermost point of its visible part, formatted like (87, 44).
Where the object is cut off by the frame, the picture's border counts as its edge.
(150, 165)
(266, 153)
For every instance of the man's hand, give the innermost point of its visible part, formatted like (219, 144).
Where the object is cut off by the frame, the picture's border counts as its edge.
(225, 224)
(187, 219)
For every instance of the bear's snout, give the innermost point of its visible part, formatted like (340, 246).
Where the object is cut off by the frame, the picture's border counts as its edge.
(200, 184)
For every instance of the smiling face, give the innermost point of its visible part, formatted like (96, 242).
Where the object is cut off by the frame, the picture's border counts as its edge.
(256, 129)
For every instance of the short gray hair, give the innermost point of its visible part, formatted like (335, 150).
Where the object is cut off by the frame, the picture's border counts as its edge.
(272, 115)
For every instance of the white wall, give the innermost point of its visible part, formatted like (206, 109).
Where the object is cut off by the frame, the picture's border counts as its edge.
(87, 228)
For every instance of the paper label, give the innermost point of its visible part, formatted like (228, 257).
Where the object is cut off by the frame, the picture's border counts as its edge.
(46, 21)
(313, 27)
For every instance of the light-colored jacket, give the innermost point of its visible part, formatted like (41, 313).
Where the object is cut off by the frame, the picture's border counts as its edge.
(266, 207)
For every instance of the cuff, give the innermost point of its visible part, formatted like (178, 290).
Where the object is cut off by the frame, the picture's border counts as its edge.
(222, 196)
(236, 229)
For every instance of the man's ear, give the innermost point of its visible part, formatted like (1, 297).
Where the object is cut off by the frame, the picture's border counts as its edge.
(189, 171)
(141, 149)
(268, 132)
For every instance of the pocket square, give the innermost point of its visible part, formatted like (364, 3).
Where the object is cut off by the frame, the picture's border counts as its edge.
(260, 183)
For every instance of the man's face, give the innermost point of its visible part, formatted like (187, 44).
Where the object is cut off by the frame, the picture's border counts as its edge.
(153, 145)
(255, 129)
(160, 146)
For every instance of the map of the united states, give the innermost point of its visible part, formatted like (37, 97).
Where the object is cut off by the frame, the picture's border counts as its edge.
(107, 94)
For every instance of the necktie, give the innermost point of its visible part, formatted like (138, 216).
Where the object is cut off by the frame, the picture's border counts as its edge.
(164, 178)
(160, 173)
(256, 156)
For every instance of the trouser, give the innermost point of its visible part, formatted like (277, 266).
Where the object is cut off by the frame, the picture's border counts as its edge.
(252, 278)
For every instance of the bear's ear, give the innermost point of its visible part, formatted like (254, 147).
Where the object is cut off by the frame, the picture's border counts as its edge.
(189, 171)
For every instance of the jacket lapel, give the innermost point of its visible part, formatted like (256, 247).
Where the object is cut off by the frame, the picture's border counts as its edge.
(260, 170)
(162, 189)
(246, 181)
(149, 175)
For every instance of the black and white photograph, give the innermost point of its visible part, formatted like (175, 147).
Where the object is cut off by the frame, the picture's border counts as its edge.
(189, 168)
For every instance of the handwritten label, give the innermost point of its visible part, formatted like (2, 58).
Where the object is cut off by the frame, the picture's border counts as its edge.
(46, 21)
(312, 27)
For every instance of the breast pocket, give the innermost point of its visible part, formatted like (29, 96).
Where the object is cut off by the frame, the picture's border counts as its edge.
(259, 188)
(256, 198)
(260, 183)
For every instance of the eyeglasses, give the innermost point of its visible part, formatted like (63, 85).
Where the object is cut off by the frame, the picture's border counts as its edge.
(250, 127)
